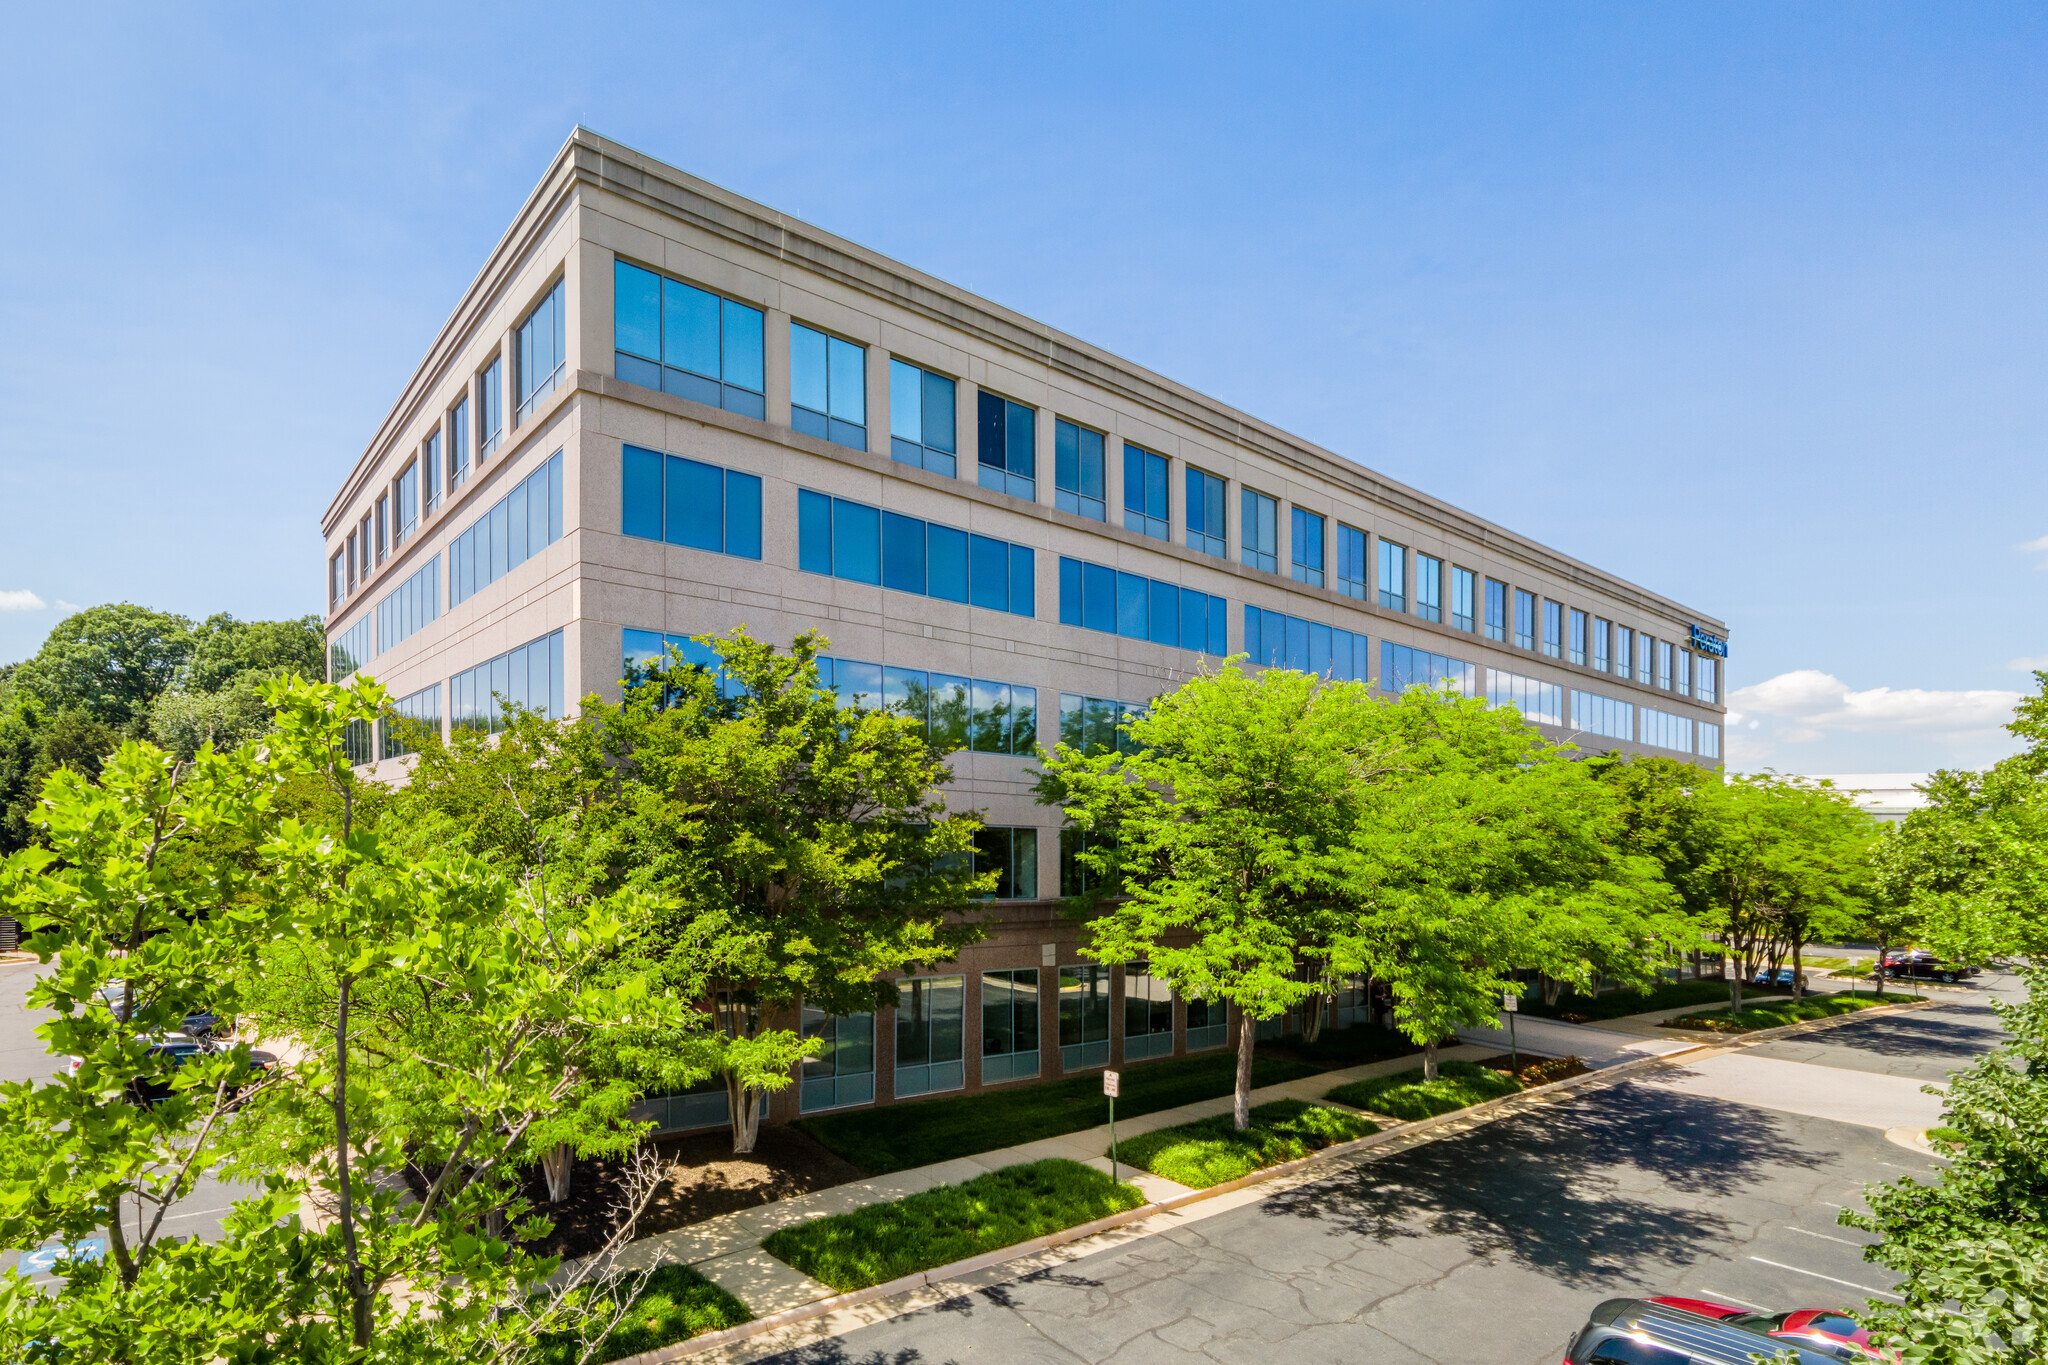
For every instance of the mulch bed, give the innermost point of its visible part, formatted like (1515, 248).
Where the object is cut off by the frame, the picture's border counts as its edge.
(705, 1180)
(1539, 1071)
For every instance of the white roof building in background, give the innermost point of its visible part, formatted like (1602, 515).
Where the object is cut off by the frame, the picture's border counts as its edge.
(1888, 796)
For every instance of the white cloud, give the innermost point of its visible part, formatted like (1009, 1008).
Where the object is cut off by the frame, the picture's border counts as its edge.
(2039, 548)
(2030, 663)
(1806, 717)
(19, 599)
(68, 607)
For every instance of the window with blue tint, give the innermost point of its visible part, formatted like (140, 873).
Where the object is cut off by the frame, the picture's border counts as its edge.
(458, 445)
(1646, 646)
(1393, 575)
(1684, 673)
(406, 505)
(411, 723)
(1011, 852)
(1009, 1025)
(976, 714)
(1259, 527)
(1624, 653)
(1710, 739)
(921, 425)
(490, 413)
(1306, 549)
(1207, 531)
(929, 1035)
(410, 605)
(1403, 667)
(1525, 619)
(1662, 730)
(1597, 715)
(1276, 640)
(688, 502)
(687, 341)
(1006, 452)
(1077, 471)
(1535, 699)
(649, 653)
(1496, 609)
(1600, 656)
(842, 1071)
(493, 546)
(350, 650)
(430, 470)
(1553, 629)
(358, 742)
(543, 351)
(334, 580)
(1351, 561)
(1145, 509)
(531, 676)
(1575, 646)
(1710, 679)
(852, 540)
(1664, 665)
(828, 387)
(1429, 587)
(1097, 725)
(1464, 595)
(1096, 597)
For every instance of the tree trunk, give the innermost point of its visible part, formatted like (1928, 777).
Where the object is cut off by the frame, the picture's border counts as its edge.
(1312, 1025)
(556, 1164)
(1429, 1060)
(1553, 988)
(746, 1115)
(1878, 974)
(1798, 986)
(1735, 989)
(1241, 1104)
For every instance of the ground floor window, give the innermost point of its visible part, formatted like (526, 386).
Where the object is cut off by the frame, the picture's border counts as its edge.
(1009, 1025)
(1084, 1016)
(704, 1105)
(843, 1072)
(1348, 1006)
(928, 1035)
(1011, 852)
(1206, 1021)
(1148, 1014)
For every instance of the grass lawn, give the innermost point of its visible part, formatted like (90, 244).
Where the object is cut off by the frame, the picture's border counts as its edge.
(676, 1304)
(1210, 1151)
(883, 1241)
(1407, 1096)
(1614, 1004)
(901, 1136)
(1777, 1012)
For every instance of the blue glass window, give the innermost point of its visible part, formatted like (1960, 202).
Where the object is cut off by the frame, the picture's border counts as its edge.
(489, 549)
(1402, 667)
(543, 351)
(1096, 597)
(490, 415)
(921, 419)
(1260, 527)
(852, 540)
(410, 723)
(1496, 609)
(1600, 655)
(1096, 725)
(1608, 717)
(956, 713)
(1464, 594)
(1276, 640)
(1145, 508)
(1007, 446)
(1077, 471)
(1351, 561)
(687, 341)
(1553, 629)
(1307, 548)
(1393, 575)
(647, 652)
(1206, 529)
(350, 650)
(458, 445)
(1525, 619)
(409, 606)
(1710, 739)
(828, 387)
(1663, 730)
(687, 502)
(430, 470)
(1536, 699)
(1429, 587)
(532, 676)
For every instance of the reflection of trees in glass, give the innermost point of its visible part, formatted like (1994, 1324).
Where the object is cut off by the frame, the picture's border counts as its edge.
(949, 711)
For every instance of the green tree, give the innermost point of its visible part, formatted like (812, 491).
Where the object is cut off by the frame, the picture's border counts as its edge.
(798, 850)
(1228, 817)
(109, 661)
(225, 650)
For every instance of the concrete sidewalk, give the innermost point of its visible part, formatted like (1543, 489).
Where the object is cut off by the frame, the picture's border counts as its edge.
(727, 1249)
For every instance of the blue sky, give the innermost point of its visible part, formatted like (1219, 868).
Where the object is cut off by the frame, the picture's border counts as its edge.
(1744, 303)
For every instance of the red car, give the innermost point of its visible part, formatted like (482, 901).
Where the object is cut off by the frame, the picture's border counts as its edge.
(1827, 1329)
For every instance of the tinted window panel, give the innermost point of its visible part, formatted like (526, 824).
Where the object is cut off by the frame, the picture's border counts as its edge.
(947, 550)
(695, 495)
(742, 515)
(690, 328)
(743, 361)
(813, 532)
(989, 581)
(642, 513)
(856, 541)
(903, 547)
(636, 310)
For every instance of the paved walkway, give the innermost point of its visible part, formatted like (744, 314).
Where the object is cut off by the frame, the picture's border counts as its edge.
(727, 1249)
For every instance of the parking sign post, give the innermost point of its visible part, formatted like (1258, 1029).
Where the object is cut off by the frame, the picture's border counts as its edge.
(1110, 1081)
(1509, 1005)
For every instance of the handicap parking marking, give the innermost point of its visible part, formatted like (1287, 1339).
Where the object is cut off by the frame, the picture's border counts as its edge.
(43, 1260)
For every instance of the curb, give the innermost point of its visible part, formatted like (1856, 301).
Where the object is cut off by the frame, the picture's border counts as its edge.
(1803, 1026)
(1404, 1133)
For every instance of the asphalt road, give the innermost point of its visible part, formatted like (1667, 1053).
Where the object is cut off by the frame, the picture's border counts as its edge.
(1716, 1182)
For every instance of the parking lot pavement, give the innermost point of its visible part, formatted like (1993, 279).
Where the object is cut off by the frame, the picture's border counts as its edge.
(1595, 1046)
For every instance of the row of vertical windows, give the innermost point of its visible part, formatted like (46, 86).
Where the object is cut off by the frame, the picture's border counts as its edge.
(1077, 472)
(687, 341)
(1306, 548)
(531, 676)
(519, 526)
(1006, 452)
(1145, 508)
(647, 653)
(1537, 700)
(853, 540)
(358, 742)
(828, 387)
(1662, 730)
(1607, 716)
(409, 606)
(350, 650)
(1094, 725)
(921, 419)
(1097, 597)
(974, 714)
(1710, 739)
(410, 722)
(1278, 640)
(1403, 667)
(543, 351)
(687, 502)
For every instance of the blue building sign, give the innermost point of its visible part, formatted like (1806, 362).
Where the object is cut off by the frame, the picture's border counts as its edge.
(1706, 642)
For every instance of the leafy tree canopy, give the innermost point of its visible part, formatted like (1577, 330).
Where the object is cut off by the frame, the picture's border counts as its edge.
(109, 662)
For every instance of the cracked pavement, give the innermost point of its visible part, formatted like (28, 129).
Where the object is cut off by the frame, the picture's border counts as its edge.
(1486, 1246)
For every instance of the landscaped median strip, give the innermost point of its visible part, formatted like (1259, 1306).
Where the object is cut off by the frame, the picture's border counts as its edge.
(1210, 1151)
(1779, 1013)
(1406, 1095)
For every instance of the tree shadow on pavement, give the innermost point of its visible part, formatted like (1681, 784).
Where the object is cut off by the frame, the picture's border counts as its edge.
(1934, 1034)
(1619, 1182)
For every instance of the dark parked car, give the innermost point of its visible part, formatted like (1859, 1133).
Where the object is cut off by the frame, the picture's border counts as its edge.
(178, 1048)
(199, 1023)
(1920, 963)
(1784, 976)
(1646, 1332)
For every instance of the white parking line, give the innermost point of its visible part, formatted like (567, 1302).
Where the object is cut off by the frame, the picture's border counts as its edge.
(1824, 1237)
(1718, 1297)
(1846, 1284)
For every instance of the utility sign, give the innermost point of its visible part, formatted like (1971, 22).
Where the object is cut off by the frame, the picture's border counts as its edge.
(1110, 1081)
(1510, 1003)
